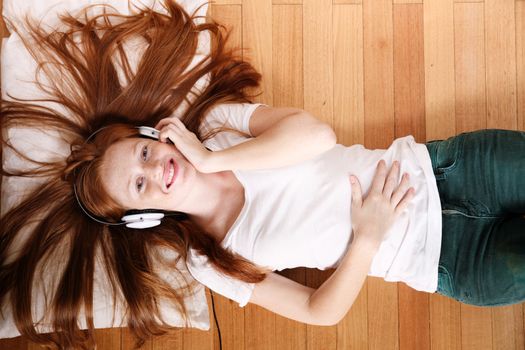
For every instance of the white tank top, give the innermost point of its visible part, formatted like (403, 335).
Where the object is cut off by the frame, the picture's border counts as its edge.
(299, 215)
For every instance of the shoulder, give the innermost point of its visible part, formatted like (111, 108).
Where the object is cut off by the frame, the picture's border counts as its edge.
(232, 115)
(205, 273)
(251, 118)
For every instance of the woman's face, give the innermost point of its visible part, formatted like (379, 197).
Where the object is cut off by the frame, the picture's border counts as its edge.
(142, 173)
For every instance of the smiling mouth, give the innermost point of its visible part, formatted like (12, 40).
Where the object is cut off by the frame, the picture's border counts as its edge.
(171, 173)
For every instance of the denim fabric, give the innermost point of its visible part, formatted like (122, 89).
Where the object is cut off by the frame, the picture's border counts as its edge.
(481, 181)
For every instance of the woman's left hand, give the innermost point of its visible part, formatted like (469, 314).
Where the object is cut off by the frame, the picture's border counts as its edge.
(187, 143)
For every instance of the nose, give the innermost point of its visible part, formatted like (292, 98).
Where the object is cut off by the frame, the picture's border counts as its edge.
(155, 171)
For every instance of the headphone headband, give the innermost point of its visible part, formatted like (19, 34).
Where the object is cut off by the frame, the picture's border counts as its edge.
(139, 219)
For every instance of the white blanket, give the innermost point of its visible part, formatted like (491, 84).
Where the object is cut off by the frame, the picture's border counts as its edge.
(18, 72)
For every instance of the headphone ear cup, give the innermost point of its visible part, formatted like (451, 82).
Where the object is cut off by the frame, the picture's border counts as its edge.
(143, 224)
(142, 218)
(148, 217)
(148, 132)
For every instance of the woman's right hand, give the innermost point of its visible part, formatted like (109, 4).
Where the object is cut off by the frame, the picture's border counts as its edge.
(373, 215)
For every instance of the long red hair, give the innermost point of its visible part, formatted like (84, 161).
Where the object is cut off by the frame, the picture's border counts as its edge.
(80, 64)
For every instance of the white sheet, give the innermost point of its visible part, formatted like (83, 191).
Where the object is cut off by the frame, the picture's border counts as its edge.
(18, 71)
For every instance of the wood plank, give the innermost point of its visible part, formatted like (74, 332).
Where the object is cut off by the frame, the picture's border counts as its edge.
(257, 43)
(414, 315)
(520, 61)
(225, 2)
(439, 68)
(409, 71)
(349, 114)
(231, 322)
(379, 133)
(231, 17)
(318, 59)
(348, 2)
(108, 338)
(519, 336)
(445, 323)
(408, 1)
(196, 339)
(383, 314)
(171, 340)
(378, 73)
(507, 327)
(288, 56)
(261, 326)
(471, 106)
(287, 2)
(352, 331)
(476, 327)
(519, 324)
(500, 28)
(128, 340)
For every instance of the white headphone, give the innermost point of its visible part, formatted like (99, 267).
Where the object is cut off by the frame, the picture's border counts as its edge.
(145, 218)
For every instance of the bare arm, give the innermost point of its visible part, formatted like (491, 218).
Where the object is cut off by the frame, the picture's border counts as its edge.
(324, 306)
(282, 136)
(331, 301)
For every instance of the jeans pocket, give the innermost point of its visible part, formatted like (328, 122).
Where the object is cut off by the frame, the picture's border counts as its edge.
(448, 156)
(445, 282)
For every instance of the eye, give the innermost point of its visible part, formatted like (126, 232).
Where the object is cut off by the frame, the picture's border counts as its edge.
(145, 153)
(140, 182)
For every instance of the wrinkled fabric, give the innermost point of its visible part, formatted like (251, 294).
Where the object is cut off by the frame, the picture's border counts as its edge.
(481, 181)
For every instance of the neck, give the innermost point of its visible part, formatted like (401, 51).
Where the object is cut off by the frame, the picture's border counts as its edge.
(210, 196)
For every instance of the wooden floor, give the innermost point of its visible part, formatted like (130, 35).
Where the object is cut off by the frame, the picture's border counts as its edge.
(376, 70)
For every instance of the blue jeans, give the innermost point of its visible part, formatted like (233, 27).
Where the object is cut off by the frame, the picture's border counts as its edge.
(481, 181)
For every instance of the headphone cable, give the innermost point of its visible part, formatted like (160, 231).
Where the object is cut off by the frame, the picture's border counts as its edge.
(216, 322)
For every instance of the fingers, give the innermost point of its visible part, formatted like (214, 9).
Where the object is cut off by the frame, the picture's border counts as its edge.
(379, 178)
(167, 121)
(171, 126)
(162, 123)
(402, 195)
(406, 199)
(391, 180)
(385, 181)
(401, 189)
(385, 184)
(169, 132)
(357, 196)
